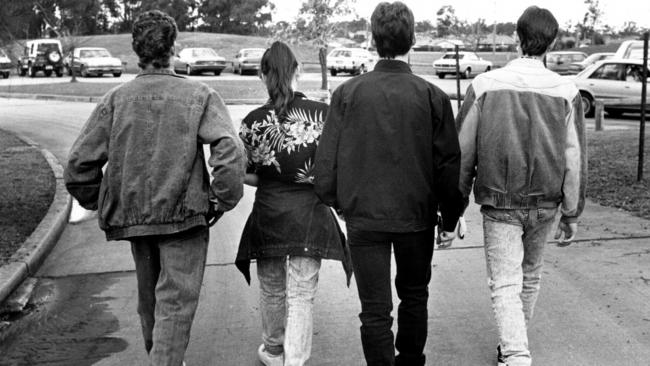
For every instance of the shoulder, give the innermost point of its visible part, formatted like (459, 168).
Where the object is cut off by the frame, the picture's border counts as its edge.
(301, 101)
(257, 114)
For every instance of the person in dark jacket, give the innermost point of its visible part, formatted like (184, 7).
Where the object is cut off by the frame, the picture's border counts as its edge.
(389, 160)
(289, 230)
(156, 191)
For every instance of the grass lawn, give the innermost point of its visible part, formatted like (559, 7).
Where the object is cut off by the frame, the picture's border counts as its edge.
(26, 192)
(613, 157)
(228, 89)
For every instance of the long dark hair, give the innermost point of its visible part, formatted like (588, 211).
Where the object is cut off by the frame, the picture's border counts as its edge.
(279, 66)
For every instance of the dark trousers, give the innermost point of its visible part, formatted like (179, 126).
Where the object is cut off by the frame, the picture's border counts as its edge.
(169, 270)
(371, 258)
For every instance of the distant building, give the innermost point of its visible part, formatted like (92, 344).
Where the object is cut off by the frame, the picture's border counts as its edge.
(502, 43)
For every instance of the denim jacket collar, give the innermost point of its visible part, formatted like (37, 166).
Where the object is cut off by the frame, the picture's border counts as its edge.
(392, 66)
(158, 72)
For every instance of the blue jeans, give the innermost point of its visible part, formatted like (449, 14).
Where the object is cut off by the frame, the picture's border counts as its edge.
(287, 291)
(514, 249)
(169, 270)
(371, 260)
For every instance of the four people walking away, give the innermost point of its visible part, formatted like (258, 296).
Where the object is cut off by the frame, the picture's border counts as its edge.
(289, 230)
(522, 139)
(389, 160)
(156, 191)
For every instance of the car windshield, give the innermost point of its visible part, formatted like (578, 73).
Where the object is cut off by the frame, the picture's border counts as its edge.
(203, 52)
(44, 48)
(2, 53)
(94, 53)
(253, 53)
(453, 56)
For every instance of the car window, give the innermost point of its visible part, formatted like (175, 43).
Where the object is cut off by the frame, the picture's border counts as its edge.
(253, 53)
(94, 53)
(634, 73)
(609, 72)
(203, 52)
(47, 47)
(453, 56)
(578, 57)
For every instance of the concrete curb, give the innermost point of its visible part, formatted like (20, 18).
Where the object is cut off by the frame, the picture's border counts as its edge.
(28, 258)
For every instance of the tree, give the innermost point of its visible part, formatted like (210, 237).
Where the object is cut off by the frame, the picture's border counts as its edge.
(424, 27)
(314, 24)
(183, 11)
(447, 22)
(235, 16)
(591, 19)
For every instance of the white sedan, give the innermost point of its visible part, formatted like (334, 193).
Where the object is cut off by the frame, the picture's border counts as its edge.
(352, 60)
(470, 64)
(617, 82)
(86, 61)
(198, 60)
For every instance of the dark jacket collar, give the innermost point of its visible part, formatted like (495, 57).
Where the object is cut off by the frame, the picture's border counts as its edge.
(392, 66)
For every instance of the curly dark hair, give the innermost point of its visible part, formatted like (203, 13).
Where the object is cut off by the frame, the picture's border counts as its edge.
(154, 34)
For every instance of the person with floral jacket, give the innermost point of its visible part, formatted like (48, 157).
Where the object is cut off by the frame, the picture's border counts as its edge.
(289, 229)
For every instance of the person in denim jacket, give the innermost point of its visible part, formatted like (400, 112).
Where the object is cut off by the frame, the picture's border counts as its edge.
(156, 192)
(522, 140)
(289, 230)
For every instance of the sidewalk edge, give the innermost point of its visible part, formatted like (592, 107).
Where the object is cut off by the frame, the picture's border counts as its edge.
(28, 258)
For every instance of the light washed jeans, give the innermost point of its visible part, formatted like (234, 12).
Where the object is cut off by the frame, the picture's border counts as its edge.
(287, 290)
(514, 249)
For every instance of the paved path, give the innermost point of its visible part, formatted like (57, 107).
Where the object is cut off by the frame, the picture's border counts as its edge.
(592, 310)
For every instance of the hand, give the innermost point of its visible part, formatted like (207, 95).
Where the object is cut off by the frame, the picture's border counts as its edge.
(461, 228)
(569, 231)
(214, 213)
(445, 239)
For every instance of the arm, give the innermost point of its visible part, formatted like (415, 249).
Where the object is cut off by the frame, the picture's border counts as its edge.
(575, 173)
(83, 173)
(326, 154)
(227, 157)
(467, 127)
(251, 179)
(446, 160)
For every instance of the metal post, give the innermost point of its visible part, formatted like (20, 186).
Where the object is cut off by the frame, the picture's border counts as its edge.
(457, 76)
(599, 114)
(644, 86)
(74, 74)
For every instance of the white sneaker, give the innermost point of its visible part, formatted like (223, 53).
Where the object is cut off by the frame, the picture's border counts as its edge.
(268, 359)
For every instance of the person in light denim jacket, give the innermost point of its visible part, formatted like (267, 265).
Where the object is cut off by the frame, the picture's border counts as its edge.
(522, 140)
(156, 191)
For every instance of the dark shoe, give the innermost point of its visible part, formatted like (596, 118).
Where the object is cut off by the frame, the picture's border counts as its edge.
(501, 361)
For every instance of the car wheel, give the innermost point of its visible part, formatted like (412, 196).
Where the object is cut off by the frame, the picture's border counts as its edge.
(69, 71)
(488, 68)
(333, 72)
(587, 104)
(235, 70)
(467, 74)
(31, 71)
(117, 74)
(188, 70)
(441, 75)
(5, 75)
(21, 71)
(83, 71)
(59, 73)
(217, 72)
(48, 73)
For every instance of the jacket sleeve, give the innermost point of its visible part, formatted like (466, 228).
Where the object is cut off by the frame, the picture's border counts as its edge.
(227, 156)
(575, 155)
(83, 173)
(446, 160)
(467, 126)
(325, 168)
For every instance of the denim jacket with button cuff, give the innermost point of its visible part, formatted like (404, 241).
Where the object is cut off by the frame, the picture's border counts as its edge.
(522, 136)
(150, 132)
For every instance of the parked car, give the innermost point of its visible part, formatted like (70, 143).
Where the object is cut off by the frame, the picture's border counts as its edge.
(470, 64)
(199, 60)
(247, 59)
(351, 60)
(630, 49)
(5, 64)
(41, 55)
(92, 61)
(611, 80)
(559, 61)
(576, 67)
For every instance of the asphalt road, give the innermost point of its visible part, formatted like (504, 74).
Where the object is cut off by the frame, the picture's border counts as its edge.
(592, 310)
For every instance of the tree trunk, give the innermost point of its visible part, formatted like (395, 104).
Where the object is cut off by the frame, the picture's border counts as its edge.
(322, 58)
